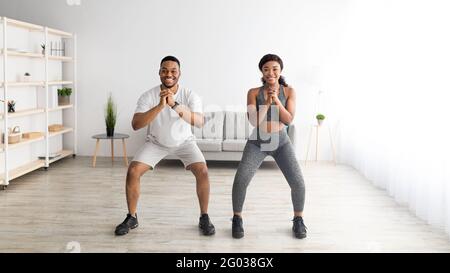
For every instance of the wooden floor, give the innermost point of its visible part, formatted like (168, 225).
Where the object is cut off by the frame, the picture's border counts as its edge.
(73, 202)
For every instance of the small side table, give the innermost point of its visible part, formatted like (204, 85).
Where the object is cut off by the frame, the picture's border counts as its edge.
(317, 129)
(116, 136)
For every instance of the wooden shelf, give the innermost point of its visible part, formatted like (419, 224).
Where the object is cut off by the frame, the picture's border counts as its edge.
(60, 58)
(23, 142)
(60, 108)
(63, 131)
(60, 82)
(24, 169)
(22, 113)
(56, 32)
(29, 26)
(23, 54)
(50, 64)
(64, 153)
(22, 84)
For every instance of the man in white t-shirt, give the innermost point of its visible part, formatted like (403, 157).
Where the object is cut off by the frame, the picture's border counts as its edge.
(168, 111)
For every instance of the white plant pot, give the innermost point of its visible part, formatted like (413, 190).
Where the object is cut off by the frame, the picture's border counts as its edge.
(63, 100)
(26, 78)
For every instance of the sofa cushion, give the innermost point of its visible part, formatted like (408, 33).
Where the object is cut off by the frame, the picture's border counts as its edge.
(234, 145)
(241, 125)
(213, 128)
(198, 132)
(230, 120)
(210, 145)
(237, 125)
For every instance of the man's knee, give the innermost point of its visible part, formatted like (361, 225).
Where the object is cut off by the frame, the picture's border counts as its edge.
(199, 170)
(135, 170)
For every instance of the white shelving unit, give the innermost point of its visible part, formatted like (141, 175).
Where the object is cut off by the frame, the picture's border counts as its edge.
(53, 72)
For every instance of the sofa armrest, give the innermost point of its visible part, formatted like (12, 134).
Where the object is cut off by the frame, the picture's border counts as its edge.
(292, 134)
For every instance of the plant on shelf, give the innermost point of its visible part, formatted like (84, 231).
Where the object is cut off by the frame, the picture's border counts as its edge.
(43, 49)
(110, 116)
(320, 118)
(26, 77)
(11, 106)
(64, 95)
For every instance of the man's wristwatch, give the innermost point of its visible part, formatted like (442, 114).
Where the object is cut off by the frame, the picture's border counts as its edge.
(175, 105)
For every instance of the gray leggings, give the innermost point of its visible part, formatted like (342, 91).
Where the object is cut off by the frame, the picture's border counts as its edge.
(284, 156)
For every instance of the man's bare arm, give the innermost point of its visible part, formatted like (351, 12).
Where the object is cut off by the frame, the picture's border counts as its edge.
(140, 120)
(193, 118)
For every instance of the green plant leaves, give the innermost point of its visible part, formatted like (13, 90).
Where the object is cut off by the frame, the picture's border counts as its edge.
(110, 112)
(65, 91)
(320, 117)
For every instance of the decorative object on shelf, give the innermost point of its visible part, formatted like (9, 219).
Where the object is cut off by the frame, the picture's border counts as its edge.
(11, 106)
(320, 118)
(18, 50)
(26, 77)
(51, 156)
(43, 49)
(110, 115)
(58, 48)
(64, 96)
(55, 127)
(31, 135)
(14, 135)
(53, 50)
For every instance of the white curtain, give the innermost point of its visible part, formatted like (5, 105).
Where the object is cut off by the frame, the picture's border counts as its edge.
(390, 89)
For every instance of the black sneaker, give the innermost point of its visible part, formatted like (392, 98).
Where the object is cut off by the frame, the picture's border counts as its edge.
(129, 223)
(299, 227)
(205, 225)
(237, 228)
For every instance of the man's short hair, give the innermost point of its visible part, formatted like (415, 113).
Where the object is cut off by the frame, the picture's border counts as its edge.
(170, 58)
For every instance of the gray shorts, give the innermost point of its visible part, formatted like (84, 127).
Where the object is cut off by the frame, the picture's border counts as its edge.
(151, 153)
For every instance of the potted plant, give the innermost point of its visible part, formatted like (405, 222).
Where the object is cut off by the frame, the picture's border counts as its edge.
(110, 116)
(320, 118)
(11, 106)
(26, 77)
(64, 96)
(43, 49)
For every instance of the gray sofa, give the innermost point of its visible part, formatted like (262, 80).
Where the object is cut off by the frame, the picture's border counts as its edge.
(224, 135)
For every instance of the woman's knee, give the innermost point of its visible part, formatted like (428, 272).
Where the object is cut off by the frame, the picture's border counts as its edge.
(242, 178)
(297, 185)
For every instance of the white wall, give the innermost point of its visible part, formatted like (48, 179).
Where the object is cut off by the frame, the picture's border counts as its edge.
(219, 43)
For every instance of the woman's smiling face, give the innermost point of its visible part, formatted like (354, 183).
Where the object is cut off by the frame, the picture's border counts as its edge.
(271, 72)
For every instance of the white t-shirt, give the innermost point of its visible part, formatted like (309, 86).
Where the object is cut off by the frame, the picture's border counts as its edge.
(168, 129)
